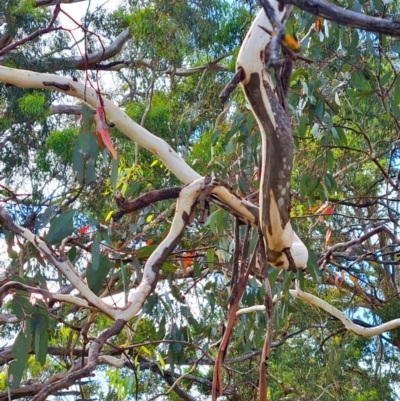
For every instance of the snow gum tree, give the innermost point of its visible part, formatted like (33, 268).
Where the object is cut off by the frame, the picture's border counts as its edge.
(199, 200)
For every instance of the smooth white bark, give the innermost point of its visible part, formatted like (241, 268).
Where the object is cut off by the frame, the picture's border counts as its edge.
(154, 144)
(187, 198)
(320, 303)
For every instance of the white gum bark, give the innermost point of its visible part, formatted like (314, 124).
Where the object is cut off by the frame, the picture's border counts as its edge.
(277, 147)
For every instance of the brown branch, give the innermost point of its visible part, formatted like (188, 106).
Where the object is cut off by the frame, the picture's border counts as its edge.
(35, 34)
(144, 200)
(272, 55)
(269, 308)
(217, 389)
(346, 17)
(86, 371)
(47, 3)
(231, 85)
(327, 255)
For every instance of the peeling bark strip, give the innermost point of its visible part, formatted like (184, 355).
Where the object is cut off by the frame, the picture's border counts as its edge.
(62, 87)
(277, 147)
(144, 200)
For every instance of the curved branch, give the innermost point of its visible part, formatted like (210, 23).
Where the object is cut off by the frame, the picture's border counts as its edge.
(29, 79)
(93, 360)
(346, 17)
(47, 3)
(277, 147)
(186, 201)
(60, 262)
(143, 200)
(348, 323)
(351, 326)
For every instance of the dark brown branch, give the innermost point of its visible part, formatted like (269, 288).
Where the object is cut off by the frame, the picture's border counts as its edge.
(346, 17)
(360, 240)
(231, 85)
(217, 389)
(33, 35)
(272, 55)
(47, 3)
(86, 371)
(269, 309)
(144, 200)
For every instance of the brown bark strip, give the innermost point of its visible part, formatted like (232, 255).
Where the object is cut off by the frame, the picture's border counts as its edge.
(63, 87)
(269, 309)
(346, 17)
(238, 288)
(144, 200)
(277, 144)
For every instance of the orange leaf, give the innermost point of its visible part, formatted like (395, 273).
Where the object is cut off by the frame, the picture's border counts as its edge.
(318, 24)
(187, 261)
(328, 236)
(355, 281)
(102, 134)
(82, 230)
(291, 42)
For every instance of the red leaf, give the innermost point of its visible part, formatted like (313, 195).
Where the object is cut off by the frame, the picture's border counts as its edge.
(82, 230)
(102, 134)
(328, 210)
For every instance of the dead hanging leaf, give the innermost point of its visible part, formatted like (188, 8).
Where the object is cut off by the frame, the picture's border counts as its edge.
(355, 281)
(187, 261)
(338, 282)
(328, 236)
(318, 24)
(102, 134)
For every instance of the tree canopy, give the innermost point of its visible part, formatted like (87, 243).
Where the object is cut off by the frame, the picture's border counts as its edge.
(199, 199)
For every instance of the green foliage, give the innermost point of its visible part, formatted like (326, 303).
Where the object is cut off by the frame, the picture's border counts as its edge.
(62, 143)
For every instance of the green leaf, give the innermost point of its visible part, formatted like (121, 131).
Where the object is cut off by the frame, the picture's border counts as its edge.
(315, 131)
(10, 243)
(15, 372)
(242, 185)
(215, 135)
(16, 308)
(95, 249)
(114, 174)
(20, 350)
(61, 227)
(41, 343)
(145, 251)
(210, 259)
(124, 277)
(95, 278)
(312, 266)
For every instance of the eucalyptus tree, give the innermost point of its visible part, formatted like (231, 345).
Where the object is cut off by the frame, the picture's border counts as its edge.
(276, 260)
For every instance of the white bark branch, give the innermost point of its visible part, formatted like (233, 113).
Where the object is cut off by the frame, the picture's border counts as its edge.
(185, 203)
(29, 79)
(277, 146)
(348, 324)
